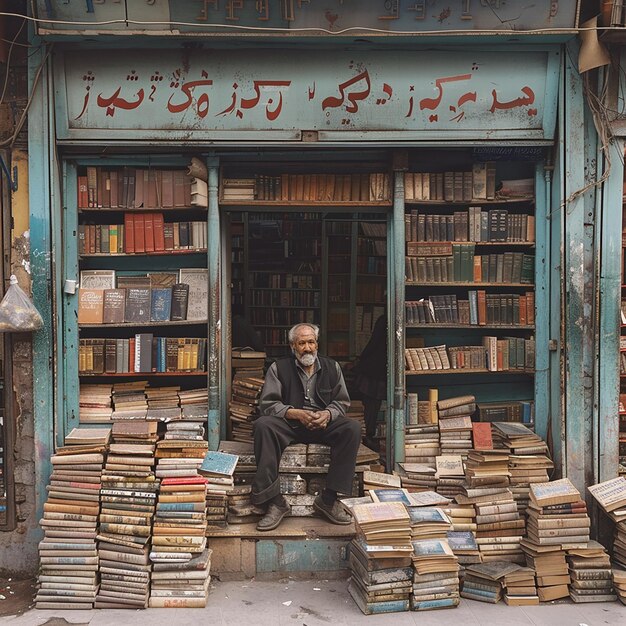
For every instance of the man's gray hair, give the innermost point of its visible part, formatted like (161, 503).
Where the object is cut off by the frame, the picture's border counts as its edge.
(294, 329)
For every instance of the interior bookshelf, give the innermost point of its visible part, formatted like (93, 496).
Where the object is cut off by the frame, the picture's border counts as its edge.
(470, 279)
(142, 305)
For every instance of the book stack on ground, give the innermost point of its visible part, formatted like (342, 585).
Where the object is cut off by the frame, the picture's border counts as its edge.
(499, 527)
(68, 570)
(94, 404)
(129, 400)
(383, 533)
(129, 489)
(181, 450)
(529, 460)
(590, 574)
(619, 583)
(461, 516)
(179, 536)
(428, 522)
(241, 510)
(244, 405)
(551, 571)
(485, 582)
(435, 576)
(379, 480)
(385, 580)
(455, 424)
(218, 468)
(463, 545)
(520, 588)
(163, 403)
(450, 474)
(421, 444)
(611, 496)
(194, 404)
(417, 477)
(294, 489)
(557, 515)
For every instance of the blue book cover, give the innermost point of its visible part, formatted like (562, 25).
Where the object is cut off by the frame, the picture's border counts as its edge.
(462, 540)
(390, 495)
(161, 304)
(218, 463)
(468, 588)
(426, 514)
(427, 605)
(176, 506)
(431, 547)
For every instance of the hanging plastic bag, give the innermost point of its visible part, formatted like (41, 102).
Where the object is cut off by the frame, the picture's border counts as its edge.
(17, 312)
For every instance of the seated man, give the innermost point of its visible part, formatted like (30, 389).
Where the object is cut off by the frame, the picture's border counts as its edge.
(304, 400)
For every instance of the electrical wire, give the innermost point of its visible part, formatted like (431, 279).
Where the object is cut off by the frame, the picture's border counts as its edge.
(8, 63)
(359, 29)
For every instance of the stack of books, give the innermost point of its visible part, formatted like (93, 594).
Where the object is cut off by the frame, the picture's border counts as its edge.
(619, 583)
(436, 575)
(499, 527)
(551, 571)
(529, 460)
(417, 477)
(381, 584)
(455, 424)
(244, 405)
(179, 536)
(611, 496)
(181, 450)
(463, 545)
(218, 468)
(450, 474)
(129, 489)
(194, 404)
(129, 400)
(241, 510)
(487, 468)
(163, 403)
(317, 455)
(485, 582)
(428, 522)
(590, 574)
(557, 515)
(461, 516)
(383, 532)
(421, 444)
(68, 571)
(94, 404)
(520, 587)
(294, 489)
(378, 480)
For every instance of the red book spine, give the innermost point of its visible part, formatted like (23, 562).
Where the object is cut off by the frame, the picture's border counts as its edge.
(140, 235)
(159, 233)
(148, 227)
(182, 480)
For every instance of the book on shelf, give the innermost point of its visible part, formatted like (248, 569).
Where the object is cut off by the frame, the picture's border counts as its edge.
(133, 188)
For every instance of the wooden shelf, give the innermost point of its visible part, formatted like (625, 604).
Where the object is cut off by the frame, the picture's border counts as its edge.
(472, 326)
(490, 244)
(463, 284)
(285, 289)
(281, 306)
(450, 372)
(141, 374)
(147, 324)
(474, 201)
(310, 204)
(141, 209)
(140, 254)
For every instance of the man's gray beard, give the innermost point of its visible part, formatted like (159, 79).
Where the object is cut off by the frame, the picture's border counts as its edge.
(307, 359)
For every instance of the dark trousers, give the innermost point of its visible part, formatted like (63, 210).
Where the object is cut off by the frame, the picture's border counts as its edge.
(273, 434)
(371, 407)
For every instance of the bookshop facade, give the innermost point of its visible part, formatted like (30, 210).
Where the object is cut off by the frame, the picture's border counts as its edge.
(426, 185)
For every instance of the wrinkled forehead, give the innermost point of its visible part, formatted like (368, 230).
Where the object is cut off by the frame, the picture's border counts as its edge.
(304, 334)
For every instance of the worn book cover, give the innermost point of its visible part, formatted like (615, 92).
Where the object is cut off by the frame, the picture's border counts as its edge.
(218, 463)
(90, 306)
(114, 306)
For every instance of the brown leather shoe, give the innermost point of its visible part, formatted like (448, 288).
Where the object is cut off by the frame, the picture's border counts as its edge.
(273, 517)
(334, 513)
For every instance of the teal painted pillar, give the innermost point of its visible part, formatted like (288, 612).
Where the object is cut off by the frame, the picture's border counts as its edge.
(578, 274)
(607, 377)
(395, 327)
(40, 147)
(214, 338)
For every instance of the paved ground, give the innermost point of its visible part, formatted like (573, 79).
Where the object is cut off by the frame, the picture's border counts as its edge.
(320, 603)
